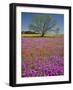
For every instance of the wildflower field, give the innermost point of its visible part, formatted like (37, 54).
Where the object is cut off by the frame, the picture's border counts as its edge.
(42, 56)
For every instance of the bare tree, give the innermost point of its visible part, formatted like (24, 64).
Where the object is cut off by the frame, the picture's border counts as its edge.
(42, 24)
(57, 30)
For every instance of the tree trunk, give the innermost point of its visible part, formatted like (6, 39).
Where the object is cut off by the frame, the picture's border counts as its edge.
(42, 35)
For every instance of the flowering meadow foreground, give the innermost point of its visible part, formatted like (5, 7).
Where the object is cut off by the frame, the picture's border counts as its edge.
(42, 56)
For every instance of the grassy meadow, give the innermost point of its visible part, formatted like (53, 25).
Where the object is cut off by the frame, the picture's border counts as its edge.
(45, 35)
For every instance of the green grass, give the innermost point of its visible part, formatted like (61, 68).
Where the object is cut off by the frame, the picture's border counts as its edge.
(45, 36)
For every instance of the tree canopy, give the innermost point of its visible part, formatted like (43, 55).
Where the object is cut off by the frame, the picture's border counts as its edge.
(42, 24)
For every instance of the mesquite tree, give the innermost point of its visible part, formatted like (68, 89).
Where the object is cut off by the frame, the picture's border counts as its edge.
(42, 24)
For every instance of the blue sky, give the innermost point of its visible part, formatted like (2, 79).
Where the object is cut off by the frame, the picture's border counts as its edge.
(27, 17)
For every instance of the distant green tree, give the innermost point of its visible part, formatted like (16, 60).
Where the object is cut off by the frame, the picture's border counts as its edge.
(42, 24)
(57, 30)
